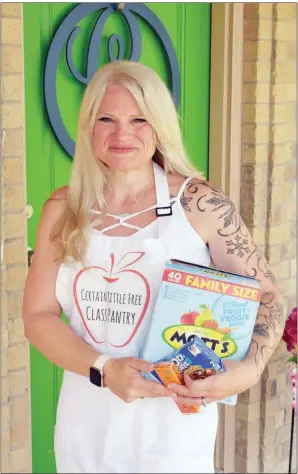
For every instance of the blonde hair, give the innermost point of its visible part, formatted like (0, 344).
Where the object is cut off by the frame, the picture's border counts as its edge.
(88, 178)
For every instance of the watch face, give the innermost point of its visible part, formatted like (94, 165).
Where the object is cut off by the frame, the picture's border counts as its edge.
(95, 376)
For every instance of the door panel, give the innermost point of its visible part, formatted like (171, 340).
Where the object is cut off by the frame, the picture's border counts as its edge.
(48, 165)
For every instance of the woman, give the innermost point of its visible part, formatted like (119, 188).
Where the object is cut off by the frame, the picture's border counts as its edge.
(128, 208)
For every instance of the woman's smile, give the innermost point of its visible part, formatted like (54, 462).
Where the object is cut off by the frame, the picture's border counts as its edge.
(122, 137)
(121, 150)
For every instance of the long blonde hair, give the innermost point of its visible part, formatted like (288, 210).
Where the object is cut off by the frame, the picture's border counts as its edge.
(88, 178)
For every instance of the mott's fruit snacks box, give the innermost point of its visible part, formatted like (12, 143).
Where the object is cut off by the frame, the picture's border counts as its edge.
(217, 306)
(194, 358)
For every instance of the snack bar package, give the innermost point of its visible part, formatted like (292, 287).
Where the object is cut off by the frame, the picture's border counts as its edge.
(194, 358)
(219, 307)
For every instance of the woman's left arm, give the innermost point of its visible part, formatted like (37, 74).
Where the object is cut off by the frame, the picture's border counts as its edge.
(232, 249)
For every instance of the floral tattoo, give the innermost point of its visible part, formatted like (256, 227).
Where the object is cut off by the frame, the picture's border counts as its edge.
(203, 197)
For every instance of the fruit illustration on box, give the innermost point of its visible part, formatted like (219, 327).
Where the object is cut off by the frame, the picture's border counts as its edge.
(225, 330)
(204, 315)
(211, 324)
(203, 319)
(189, 318)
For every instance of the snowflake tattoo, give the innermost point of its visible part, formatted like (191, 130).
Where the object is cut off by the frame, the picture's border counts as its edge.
(238, 245)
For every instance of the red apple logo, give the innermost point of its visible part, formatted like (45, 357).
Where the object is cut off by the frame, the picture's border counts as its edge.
(189, 318)
(113, 310)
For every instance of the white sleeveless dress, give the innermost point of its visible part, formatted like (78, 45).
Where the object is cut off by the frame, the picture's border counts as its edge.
(109, 302)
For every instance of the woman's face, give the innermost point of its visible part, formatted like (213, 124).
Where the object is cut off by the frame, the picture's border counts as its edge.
(122, 138)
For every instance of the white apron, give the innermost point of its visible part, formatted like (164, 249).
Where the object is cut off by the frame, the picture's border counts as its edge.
(109, 303)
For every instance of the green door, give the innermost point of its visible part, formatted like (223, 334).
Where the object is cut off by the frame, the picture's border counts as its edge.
(48, 164)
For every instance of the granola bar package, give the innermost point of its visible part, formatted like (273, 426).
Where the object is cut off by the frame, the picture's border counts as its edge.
(194, 358)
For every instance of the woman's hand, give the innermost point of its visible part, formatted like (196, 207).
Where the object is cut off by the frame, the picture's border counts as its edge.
(122, 376)
(239, 376)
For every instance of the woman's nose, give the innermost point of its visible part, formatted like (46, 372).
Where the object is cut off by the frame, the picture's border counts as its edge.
(122, 129)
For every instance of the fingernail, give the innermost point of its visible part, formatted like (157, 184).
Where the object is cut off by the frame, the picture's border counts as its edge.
(174, 395)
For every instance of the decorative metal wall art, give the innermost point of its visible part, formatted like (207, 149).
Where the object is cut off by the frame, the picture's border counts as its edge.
(66, 35)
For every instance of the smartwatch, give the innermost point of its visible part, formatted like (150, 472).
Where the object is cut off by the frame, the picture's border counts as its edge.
(96, 375)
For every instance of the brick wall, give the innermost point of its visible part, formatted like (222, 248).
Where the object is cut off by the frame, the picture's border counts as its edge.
(268, 206)
(15, 402)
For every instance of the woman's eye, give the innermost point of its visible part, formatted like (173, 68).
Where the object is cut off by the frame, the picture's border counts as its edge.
(139, 120)
(105, 119)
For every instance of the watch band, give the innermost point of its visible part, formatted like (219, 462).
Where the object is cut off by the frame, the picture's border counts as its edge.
(100, 362)
(96, 374)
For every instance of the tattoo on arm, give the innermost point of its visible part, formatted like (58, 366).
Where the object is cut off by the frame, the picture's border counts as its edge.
(261, 330)
(184, 201)
(230, 224)
(267, 331)
(261, 352)
(172, 198)
(237, 242)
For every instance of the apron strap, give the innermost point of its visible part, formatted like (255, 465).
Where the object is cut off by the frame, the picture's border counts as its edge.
(163, 209)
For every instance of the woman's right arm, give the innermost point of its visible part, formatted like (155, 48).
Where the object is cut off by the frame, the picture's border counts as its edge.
(41, 311)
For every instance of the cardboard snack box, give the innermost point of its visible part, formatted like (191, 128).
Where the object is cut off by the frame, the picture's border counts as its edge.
(217, 306)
